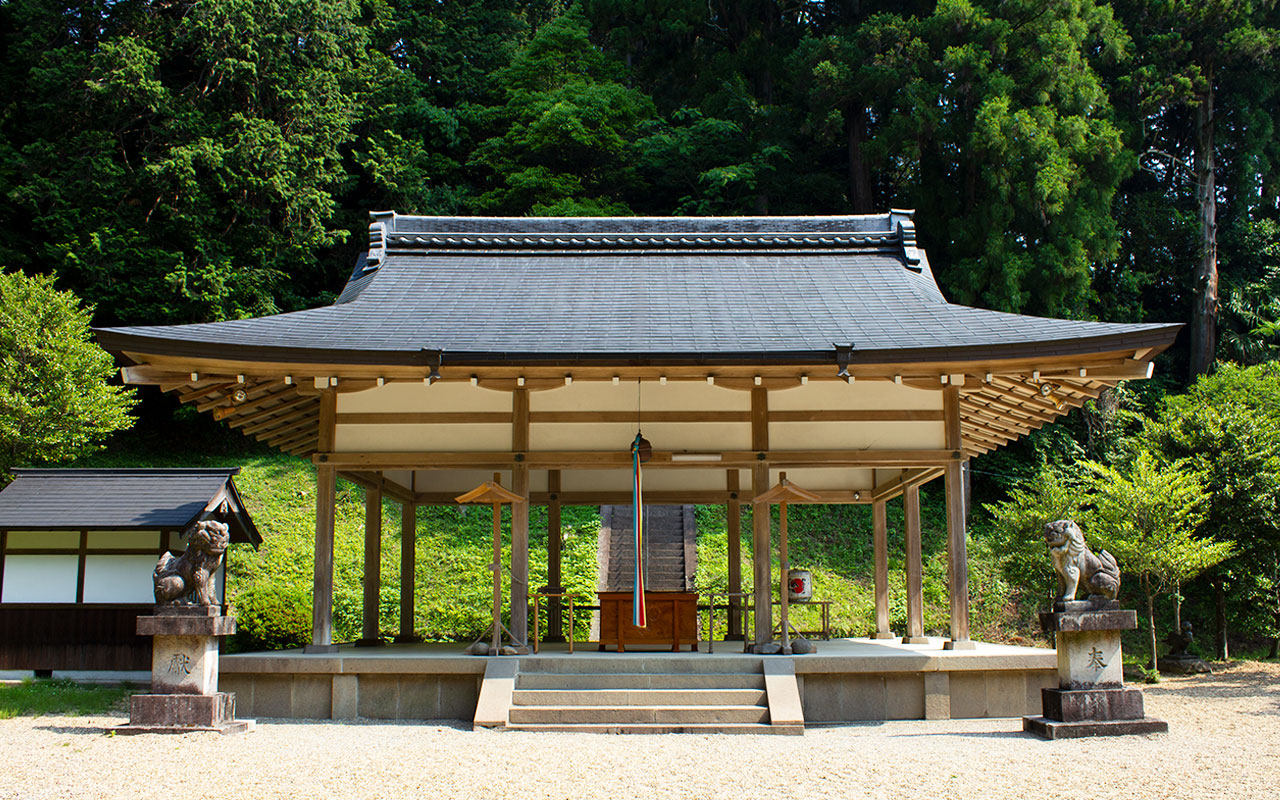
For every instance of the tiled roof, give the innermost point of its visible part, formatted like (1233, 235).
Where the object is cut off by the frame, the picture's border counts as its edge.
(120, 498)
(523, 288)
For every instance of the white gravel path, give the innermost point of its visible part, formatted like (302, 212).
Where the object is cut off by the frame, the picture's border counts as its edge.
(1224, 742)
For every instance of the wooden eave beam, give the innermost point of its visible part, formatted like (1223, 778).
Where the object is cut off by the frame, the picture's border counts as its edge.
(622, 460)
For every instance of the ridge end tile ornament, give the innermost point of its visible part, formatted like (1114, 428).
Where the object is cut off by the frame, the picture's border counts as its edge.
(1091, 698)
(184, 694)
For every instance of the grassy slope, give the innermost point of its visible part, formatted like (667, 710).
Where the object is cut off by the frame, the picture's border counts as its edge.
(270, 588)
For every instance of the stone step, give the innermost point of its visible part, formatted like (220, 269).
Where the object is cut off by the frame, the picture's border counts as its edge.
(637, 681)
(639, 697)
(649, 663)
(638, 715)
(754, 728)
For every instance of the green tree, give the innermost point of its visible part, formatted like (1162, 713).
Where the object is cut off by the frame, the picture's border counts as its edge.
(55, 402)
(1017, 530)
(177, 162)
(1226, 428)
(1190, 52)
(565, 136)
(1146, 516)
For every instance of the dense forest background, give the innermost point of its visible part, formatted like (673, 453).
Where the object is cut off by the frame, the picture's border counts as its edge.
(180, 161)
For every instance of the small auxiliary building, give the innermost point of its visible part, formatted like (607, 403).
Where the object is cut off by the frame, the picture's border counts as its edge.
(742, 347)
(77, 549)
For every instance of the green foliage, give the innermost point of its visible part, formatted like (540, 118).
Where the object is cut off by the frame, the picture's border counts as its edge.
(1017, 531)
(1146, 516)
(37, 698)
(55, 402)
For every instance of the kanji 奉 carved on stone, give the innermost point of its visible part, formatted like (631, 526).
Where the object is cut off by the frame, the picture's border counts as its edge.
(192, 572)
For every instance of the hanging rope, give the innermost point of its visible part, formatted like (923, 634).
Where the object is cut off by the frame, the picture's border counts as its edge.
(639, 617)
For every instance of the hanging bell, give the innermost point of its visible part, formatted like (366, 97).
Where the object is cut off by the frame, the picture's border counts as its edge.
(642, 447)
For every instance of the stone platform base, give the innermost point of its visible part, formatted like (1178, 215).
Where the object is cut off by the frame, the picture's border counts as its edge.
(1056, 729)
(228, 729)
(184, 713)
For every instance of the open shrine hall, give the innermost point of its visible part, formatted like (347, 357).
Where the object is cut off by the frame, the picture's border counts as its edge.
(766, 361)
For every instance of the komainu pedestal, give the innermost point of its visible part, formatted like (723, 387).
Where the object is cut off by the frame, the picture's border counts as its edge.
(1091, 698)
(184, 693)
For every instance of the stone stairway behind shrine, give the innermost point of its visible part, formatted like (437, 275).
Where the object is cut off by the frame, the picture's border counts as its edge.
(697, 693)
(670, 551)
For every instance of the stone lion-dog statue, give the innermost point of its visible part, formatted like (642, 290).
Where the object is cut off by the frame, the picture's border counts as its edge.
(1076, 564)
(192, 572)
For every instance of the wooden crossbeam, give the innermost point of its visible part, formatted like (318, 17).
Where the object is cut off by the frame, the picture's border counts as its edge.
(613, 459)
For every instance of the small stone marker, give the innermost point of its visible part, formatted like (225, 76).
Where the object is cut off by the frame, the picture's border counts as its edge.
(1091, 698)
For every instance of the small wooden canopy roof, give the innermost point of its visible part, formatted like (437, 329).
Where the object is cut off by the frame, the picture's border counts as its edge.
(489, 492)
(784, 491)
(125, 499)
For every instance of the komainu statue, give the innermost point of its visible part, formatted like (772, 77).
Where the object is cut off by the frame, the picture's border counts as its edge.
(1076, 564)
(192, 572)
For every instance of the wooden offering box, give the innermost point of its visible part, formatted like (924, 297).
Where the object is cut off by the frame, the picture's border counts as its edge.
(673, 618)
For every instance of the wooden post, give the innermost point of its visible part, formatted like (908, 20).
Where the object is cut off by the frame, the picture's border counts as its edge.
(915, 568)
(408, 570)
(733, 517)
(369, 636)
(957, 551)
(880, 542)
(763, 589)
(520, 520)
(784, 593)
(495, 643)
(555, 544)
(326, 496)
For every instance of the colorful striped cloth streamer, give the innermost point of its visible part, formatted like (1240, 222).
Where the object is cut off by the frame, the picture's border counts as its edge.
(639, 617)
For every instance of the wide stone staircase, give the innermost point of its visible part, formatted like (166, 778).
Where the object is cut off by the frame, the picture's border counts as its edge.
(645, 695)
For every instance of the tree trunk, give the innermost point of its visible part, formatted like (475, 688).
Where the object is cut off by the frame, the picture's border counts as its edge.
(1220, 602)
(859, 176)
(1177, 608)
(1204, 314)
(1151, 619)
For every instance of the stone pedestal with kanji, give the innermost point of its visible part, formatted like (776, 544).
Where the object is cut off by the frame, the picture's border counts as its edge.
(184, 693)
(1091, 698)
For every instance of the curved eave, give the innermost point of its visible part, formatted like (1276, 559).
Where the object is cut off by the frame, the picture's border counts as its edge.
(1156, 337)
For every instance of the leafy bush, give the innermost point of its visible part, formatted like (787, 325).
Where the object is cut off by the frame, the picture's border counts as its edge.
(272, 617)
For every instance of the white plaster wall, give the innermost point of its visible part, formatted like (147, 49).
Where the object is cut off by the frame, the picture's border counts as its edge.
(832, 478)
(415, 396)
(469, 438)
(124, 540)
(40, 579)
(617, 436)
(653, 396)
(119, 579)
(856, 435)
(44, 540)
(859, 395)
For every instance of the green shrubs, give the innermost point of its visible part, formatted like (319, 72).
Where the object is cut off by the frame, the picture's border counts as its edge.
(272, 617)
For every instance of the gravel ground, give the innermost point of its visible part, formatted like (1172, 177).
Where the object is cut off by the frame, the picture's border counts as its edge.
(1224, 742)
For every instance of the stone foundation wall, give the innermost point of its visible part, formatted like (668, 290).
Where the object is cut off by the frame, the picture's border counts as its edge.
(346, 696)
(860, 697)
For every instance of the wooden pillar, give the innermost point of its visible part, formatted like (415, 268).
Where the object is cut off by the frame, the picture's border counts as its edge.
(763, 594)
(555, 544)
(880, 543)
(326, 496)
(520, 520)
(957, 550)
(369, 632)
(408, 570)
(915, 568)
(733, 517)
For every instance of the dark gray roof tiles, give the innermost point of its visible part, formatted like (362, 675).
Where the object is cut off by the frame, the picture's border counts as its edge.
(95, 499)
(676, 287)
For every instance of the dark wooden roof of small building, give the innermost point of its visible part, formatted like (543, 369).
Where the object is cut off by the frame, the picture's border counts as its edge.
(108, 499)
(594, 290)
